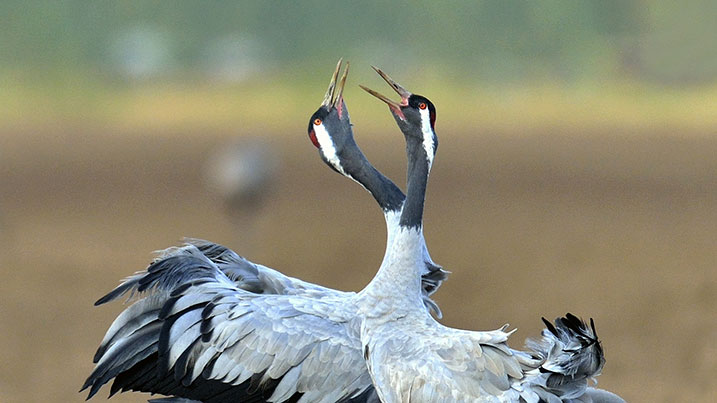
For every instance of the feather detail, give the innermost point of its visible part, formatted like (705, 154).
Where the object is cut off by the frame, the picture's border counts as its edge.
(209, 324)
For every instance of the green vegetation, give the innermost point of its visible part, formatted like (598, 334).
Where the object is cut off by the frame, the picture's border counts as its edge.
(222, 62)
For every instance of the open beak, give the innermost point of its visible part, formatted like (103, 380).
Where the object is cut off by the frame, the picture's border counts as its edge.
(402, 92)
(333, 98)
(338, 100)
(329, 97)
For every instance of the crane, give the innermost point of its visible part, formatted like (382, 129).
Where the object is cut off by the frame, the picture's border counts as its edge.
(413, 358)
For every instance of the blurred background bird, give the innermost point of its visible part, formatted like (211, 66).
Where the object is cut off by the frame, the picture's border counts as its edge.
(243, 173)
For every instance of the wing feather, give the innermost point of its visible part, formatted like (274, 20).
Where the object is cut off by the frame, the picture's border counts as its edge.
(136, 316)
(200, 332)
(235, 336)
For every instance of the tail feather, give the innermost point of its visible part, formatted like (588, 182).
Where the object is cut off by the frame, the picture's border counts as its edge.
(571, 355)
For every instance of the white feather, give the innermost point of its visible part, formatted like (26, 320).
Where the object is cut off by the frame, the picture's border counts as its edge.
(428, 136)
(327, 147)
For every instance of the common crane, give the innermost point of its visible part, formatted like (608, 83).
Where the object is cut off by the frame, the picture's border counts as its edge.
(413, 358)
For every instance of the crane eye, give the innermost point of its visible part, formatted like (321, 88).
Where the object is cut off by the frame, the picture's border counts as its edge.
(317, 121)
(422, 105)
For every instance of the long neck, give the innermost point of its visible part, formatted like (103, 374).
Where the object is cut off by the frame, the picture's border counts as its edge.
(399, 277)
(417, 179)
(388, 196)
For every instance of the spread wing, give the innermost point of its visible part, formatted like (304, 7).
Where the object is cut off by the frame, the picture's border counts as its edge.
(199, 335)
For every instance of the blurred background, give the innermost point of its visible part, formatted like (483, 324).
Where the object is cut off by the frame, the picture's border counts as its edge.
(576, 170)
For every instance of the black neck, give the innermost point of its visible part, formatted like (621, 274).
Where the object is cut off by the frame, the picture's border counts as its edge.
(386, 193)
(412, 214)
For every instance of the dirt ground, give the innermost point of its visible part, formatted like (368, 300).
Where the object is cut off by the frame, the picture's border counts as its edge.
(613, 224)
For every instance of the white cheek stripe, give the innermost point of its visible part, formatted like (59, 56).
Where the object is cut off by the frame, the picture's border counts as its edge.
(327, 147)
(428, 143)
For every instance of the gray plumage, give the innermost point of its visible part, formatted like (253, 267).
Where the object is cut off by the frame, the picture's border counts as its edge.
(413, 358)
(201, 326)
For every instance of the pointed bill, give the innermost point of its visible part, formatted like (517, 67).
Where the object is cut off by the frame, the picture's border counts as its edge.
(329, 97)
(394, 106)
(391, 103)
(402, 92)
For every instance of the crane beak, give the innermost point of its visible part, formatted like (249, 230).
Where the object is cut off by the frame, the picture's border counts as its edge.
(402, 92)
(329, 97)
(339, 98)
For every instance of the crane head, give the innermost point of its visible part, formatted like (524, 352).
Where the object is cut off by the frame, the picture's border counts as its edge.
(414, 114)
(330, 126)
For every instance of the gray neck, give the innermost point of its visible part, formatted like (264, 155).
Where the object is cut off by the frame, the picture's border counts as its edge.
(388, 196)
(417, 179)
(397, 285)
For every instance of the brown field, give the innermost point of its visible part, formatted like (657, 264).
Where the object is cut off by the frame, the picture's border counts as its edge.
(612, 224)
